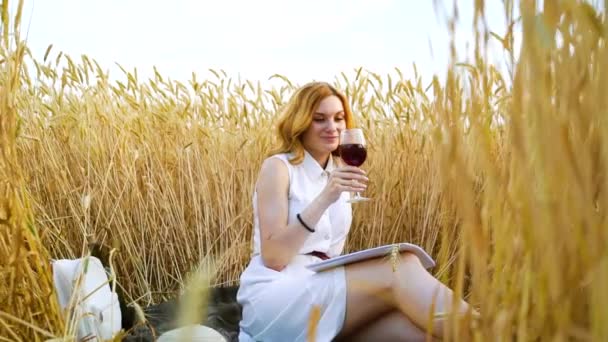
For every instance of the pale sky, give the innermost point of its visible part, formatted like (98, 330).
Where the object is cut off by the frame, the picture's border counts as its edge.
(303, 40)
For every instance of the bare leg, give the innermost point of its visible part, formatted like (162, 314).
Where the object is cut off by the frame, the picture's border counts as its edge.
(374, 289)
(421, 296)
(393, 326)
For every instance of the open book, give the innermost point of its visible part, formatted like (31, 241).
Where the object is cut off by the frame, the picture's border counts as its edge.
(382, 251)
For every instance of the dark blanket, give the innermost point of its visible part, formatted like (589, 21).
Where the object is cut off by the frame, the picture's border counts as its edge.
(223, 315)
(223, 312)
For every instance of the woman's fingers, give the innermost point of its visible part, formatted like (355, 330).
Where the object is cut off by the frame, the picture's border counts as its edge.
(351, 185)
(345, 179)
(350, 169)
(349, 174)
(350, 178)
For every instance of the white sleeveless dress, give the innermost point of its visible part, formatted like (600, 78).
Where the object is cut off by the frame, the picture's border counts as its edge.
(276, 305)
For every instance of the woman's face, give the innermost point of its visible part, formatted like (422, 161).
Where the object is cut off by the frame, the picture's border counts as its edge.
(323, 135)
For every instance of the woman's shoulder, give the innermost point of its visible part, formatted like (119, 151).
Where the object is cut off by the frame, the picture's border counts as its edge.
(282, 156)
(275, 170)
(285, 158)
(276, 163)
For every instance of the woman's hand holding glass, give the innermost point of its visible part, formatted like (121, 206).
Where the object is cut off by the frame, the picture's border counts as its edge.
(344, 178)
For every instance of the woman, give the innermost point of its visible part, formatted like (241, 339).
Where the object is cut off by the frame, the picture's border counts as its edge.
(300, 217)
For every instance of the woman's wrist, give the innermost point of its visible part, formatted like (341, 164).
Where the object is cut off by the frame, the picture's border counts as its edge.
(306, 226)
(323, 201)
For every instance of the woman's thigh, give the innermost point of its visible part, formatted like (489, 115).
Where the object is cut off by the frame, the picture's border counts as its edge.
(393, 326)
(368, 293)
(374, 286)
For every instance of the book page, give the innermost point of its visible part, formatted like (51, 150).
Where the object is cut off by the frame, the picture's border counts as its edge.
(382, 251)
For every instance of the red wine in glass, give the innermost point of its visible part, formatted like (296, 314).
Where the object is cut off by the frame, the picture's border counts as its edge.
(353, 152)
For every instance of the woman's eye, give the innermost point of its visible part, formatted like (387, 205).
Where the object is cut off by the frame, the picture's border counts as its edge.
(339, 119)
(319, 119)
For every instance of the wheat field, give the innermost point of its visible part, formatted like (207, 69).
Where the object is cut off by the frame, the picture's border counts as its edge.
(502, 177)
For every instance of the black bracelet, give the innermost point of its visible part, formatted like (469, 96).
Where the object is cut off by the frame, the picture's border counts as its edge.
(304, 224)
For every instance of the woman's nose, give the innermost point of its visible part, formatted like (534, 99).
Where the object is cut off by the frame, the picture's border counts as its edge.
(332, 126)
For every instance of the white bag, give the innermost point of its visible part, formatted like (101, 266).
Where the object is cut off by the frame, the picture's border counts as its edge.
(97, 309)
(192, 333)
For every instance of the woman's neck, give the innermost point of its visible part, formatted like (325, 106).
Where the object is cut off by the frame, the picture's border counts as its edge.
(321, 158)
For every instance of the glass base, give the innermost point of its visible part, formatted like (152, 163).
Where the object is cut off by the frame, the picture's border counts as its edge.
(357, 199)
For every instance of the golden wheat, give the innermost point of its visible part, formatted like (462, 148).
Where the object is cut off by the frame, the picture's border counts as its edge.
(503, 180)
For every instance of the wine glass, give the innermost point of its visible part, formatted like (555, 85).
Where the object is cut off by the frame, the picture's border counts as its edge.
(353, 152)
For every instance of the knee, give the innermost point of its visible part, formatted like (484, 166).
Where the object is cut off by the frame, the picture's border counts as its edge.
(409, 259)
(402, 261)
(405, 266)
(405, 259)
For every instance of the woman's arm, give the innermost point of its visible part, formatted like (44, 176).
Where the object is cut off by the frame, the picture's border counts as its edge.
(278, 244)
